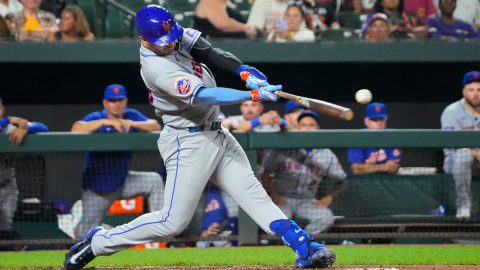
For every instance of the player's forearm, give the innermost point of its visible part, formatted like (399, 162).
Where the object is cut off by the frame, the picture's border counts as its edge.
(221, 96)
(91, 126)
(18, 121)
(150, 125)
(205, 53)
(360, 168)
(244, 126)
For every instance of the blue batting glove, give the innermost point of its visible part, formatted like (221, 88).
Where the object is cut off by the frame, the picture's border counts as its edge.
(253, 77)
(266, 93)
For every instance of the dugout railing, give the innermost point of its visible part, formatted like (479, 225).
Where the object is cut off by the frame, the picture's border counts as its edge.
(49, 167)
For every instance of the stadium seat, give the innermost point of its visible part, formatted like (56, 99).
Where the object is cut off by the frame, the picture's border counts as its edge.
(351, 19)
(343, 33)
(88, 7)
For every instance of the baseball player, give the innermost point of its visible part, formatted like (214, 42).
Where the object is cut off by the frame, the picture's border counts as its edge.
(194, 146)
(291, 177)
(16, 128)
(373, 160)
(463, 114)
(292, 111)
(106, 176)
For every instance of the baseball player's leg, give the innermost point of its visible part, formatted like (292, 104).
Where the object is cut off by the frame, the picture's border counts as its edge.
(94, 207)
(235, 176)
(8, 204)
(320, 219)
(459, 164)
(145, 183)
(190, 160)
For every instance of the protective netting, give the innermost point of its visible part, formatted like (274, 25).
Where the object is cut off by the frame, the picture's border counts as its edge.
(63, 194)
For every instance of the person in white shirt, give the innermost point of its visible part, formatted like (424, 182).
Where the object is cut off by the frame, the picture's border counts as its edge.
(9, 6)
(265, 14)
(294, 29)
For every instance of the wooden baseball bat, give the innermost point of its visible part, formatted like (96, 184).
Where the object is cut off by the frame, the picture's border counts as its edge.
(319, 106)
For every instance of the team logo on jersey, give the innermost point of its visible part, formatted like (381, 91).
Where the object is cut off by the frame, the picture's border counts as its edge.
(166, 26)
(182, 85)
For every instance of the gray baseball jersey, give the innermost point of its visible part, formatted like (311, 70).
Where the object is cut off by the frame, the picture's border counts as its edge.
(237, 119)
(8, 186)
(458, 162)
(173, 81)
(298, 172)
(192, 158)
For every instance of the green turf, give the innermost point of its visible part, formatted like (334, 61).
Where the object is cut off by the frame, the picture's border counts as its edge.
(346, 255)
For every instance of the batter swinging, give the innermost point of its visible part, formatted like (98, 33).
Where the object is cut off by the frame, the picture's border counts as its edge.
(194, 145)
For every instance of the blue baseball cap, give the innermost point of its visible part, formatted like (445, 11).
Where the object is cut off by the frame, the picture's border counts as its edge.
(376, 110)
(306, 113)
(291, 105)
(472, 76)
(115, 91)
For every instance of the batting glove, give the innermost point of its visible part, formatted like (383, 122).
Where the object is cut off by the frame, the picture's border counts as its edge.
(266, 93)
(252, 76)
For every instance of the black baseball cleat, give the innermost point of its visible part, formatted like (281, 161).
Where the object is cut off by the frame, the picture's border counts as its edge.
(81, 253)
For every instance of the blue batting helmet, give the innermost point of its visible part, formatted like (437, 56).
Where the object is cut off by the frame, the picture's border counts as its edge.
(156, 25)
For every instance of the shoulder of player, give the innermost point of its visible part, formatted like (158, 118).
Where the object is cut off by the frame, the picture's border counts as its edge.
(93, 116)
(132, 113)
(454, 107)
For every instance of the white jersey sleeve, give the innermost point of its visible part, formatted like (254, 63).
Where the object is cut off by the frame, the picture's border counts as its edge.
(329, 164)
(178, 84)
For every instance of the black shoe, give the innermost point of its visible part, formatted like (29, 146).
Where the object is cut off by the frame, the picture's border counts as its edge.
(81, 253)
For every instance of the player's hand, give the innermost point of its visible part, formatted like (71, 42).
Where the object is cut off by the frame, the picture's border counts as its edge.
(265, 93)
(270, 118)
(127, 124)
(117, 125)
(253, 77)
(17, 135)
(323, 202)
(213, 229)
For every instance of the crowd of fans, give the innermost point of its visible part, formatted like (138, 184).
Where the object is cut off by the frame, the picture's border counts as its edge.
(271, 20)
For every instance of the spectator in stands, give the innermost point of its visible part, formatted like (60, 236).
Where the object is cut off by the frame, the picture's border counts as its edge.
(4, 30)
(421, 8)
(253, 119)
(9, 7)
(292, 177)
(216, 19)
(265, 15)
(376, 28)
(466, 10)
(374, 160)
(402, 25)
(292, 111)
(319, 14)
(32, 23)
(16, 128)
(446, 27)
(293, 27)
(73, 26)
(462, 163)
(106, 175)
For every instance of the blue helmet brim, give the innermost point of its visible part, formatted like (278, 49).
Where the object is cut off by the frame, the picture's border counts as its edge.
(174, 34)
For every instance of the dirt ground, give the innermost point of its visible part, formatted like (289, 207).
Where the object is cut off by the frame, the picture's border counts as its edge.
(248, 267)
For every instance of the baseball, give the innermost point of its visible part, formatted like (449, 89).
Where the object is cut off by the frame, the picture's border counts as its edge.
(363, 96)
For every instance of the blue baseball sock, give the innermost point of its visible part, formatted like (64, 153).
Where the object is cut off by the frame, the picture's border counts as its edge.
(295, 237)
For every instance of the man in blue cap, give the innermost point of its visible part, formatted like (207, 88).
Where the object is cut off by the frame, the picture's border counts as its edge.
(292, 111)
(463, 114)
(106, 175)
(374, 160)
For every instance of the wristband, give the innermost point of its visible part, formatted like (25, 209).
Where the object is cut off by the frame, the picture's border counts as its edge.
(283, 123)
(255, 122)
(254, 95)
(244, 75)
